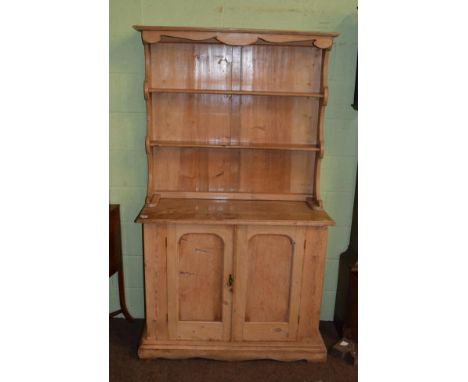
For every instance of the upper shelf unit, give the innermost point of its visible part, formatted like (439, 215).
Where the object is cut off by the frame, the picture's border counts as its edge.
(235, 112)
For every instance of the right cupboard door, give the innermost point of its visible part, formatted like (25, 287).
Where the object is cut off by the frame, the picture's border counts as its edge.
(267, 282)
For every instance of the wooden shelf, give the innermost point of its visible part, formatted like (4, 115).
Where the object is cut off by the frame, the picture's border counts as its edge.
(257, 146)
(266, 212)
(236, 92)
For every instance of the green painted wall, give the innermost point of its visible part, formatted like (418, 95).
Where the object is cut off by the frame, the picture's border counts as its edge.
(127, 112)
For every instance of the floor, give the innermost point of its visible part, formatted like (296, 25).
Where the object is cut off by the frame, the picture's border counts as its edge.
(125, 365)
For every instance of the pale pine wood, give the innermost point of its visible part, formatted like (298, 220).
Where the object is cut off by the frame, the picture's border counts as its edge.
(313, 350)
(155, 280)
(203, 118)
(263, 69)
(259, 146)
(150, 260)
(266, 331)
(154, 200)
(172, 282)
(234, 227)
(190, 66)
(264, 171)
(193, 169)
(164, 28)
(240, 287)
(252, 212)
(199, 330)
(312, 282)
(236, 92)
(237, 37)
(232, 195)
(149, 117)
(268, 272)
(320, 134)
(282, 120)
(199, 265)
(200, 272)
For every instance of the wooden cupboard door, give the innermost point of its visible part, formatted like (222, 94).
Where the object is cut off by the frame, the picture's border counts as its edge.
(267, 282)
(199, 266)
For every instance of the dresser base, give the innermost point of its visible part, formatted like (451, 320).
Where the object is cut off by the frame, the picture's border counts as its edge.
(311, 351)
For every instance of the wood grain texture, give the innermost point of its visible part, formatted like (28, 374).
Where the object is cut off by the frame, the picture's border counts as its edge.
(281, 120)
(199, 265)
(191, 117)
(191, 66)
(186, 122)
(205, 169)
(236, 92)
(207, 211)
(312, 282)
(155, 280)
(231, 196)
(149, 119)
(270, 68)
(235, 232)
(269, 278)
(141, 28)
(245, 146)
(200, 277)
(268, 272)
(238, 37)
(313, 351)
(320, 133)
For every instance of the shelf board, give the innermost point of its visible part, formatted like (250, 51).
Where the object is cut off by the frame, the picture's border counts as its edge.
(236, 92)
(208, 211)
(257, 146)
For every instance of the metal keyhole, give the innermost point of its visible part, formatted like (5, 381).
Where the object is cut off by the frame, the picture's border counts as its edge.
(230, 281)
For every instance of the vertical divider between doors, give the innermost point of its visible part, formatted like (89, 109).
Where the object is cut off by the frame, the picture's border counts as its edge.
(240, 282)
(229, 248)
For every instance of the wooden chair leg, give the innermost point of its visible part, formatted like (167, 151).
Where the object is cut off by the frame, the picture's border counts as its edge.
(123, 305)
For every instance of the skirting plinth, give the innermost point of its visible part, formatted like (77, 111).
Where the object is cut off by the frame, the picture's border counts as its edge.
(312, 351)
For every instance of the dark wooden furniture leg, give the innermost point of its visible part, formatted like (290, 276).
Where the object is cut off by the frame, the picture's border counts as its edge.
(123, 305)
(115, 258)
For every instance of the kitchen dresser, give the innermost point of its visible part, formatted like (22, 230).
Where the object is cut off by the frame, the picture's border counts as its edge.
(234, 228)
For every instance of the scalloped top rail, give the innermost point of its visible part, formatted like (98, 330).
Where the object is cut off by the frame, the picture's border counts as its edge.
(238, 37)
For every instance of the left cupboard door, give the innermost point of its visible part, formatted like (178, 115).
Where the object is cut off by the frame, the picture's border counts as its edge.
(199, 273)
